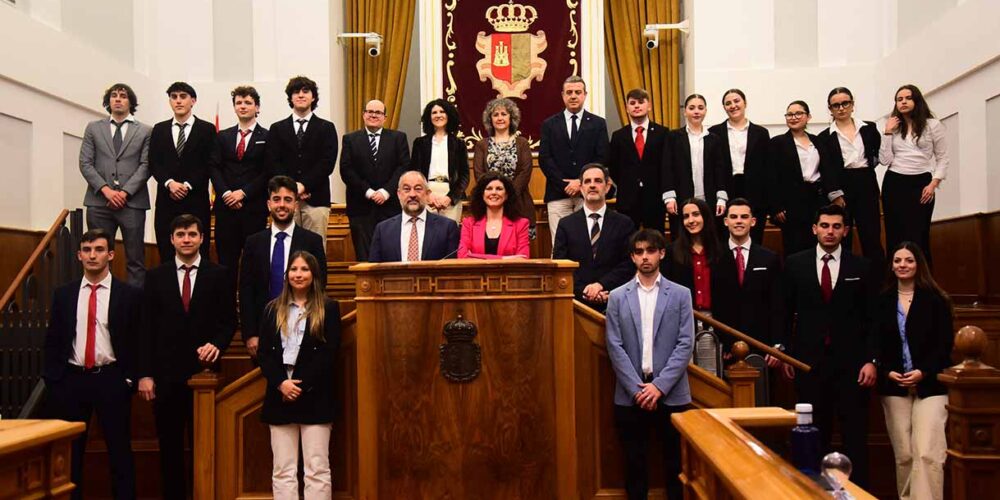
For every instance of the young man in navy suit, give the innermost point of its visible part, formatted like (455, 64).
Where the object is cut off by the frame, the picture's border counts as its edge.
(415, 234)
(649, 335)
(90, 359)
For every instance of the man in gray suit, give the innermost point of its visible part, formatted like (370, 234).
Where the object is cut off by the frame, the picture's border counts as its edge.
(649, 334)
(113, 160)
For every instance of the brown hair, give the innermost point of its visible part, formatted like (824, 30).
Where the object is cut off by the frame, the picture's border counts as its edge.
(315, 309)
(923, 279)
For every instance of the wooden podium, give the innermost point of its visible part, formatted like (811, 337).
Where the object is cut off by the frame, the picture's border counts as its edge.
(465, 380)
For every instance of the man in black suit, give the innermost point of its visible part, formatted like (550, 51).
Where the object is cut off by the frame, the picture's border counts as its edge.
(90, 359)
(570, 140)
(425, 236)
(373, 160)
(239, 177)
(179, 154)
(829, 293)
(190, 317)
(304, 147)
(597, 239)
(636, 160)
(265, 257)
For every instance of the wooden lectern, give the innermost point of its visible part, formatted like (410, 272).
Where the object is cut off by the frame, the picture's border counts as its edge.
(465, 380)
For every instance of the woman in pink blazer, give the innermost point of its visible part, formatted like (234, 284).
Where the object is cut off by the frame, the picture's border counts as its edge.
(495, 230)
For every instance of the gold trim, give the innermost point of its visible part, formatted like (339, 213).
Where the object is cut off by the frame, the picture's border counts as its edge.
(574, 40)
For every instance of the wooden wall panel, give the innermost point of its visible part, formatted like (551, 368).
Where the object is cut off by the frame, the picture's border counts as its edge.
(17, 246)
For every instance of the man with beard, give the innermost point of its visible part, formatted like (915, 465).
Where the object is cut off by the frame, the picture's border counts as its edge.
(415, 234)
(265, 257)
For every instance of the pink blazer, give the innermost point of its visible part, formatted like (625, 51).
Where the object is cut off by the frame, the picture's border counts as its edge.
(513, 239)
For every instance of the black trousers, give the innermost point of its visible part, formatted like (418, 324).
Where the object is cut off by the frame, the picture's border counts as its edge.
(162, 217)
(172, 409)
(75, 398)
(232, 227)
(649, 212)
(862, 196)
(634, 425)
(796, 232)
(906, 219)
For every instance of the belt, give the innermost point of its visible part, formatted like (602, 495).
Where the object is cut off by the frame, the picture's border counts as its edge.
(97, 369)
(438, 179)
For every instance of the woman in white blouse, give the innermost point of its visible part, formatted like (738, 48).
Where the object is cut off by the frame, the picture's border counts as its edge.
(917, 160)
(441, 156)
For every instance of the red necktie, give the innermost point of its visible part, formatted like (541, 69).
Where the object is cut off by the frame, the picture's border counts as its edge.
(640, 143)
(186, 289)
(826, 282)
(740, 265)
(242, 146)
(88, 353)
(413, 247)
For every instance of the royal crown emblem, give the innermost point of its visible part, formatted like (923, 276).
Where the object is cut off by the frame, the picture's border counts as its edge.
(510, 57)
(461, 358)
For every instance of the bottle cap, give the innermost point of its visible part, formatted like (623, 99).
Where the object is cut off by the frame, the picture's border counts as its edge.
(803, 408)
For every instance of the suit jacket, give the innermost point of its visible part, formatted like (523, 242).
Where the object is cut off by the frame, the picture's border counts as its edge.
(230, 173)
(314, 366)
(440, 239)
(191, 166)
(673, 340)
(458, 164)
(785, 161)
(871, 138)
(101, 166)
(360, 173)
(255, 273)
(758, 307)
(124, 327)
(612, 266)
(629, 172)
(847, 320)
(313, 164)
(758, 175)
(928, 335)
(171, 336)
(683, 274)
(522, 173)
(680, 178)
(560, 158)
(513, 239)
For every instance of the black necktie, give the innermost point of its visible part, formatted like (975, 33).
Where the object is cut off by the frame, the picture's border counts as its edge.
(595, 233)
(302, 131)
(573, 127)
(180, 138)
(116, 141)
(374, 146)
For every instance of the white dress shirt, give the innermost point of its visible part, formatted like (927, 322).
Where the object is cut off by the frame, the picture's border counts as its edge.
(569, 121)
(378, 143)
(404, 235)
(647, 308)
(905, 156)
(590, 222)
(296, 124)
(738, 146)
(834, 264)
(852, 151)
(439, 158)
(291, 337)
(246, 143)
(175, 132)
(808, 161)
(126, 123)
(697, 143)
(103, 351)
(290, 231)
(746, 251)
(180, 273)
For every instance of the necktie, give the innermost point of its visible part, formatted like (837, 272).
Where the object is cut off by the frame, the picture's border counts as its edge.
(573, 127)
(595, 233)
(242, 146)
(826, 282)
(88, 353)
(740, 265)
(374, 146)
(413, 247)
(116, 141)
(278, 265)
(640, 142)
(302, 131)
(180, 138)
(186, 288)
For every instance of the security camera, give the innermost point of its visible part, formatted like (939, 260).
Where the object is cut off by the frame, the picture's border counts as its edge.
(652, 38)
(374, 44)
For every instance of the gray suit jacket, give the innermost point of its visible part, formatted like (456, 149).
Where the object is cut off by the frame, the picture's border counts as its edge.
(673, 339)
(101, 167)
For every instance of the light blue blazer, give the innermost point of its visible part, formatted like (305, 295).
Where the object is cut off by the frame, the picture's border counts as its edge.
(673, 339)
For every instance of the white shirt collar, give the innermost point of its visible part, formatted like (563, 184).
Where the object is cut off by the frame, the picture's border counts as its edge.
(603, 210)
(377, 132)
(835, 128)
(189, 121)
(179, 264)
(733, 245)
(307, 117)
(729, 125)
(128, 119)
(704, 132)
(105, 283)
(836, 253)
(288, 230)
(644, 125)
(656, 283)
(422, 216)
(252, 127)
(567, 114)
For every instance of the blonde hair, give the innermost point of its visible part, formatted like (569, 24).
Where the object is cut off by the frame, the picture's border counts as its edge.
(315, 308)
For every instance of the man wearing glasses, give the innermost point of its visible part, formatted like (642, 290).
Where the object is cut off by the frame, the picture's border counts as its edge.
(374, 157)
(414, 234)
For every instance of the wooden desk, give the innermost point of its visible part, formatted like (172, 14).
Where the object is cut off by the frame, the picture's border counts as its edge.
(35, 458)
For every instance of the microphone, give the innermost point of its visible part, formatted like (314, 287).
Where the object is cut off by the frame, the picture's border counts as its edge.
(450, 254)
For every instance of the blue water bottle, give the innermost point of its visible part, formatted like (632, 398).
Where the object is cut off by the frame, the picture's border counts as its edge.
(805, 441)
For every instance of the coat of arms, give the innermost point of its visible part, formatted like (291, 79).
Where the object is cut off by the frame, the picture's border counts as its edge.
(511, 54)
(461, 358)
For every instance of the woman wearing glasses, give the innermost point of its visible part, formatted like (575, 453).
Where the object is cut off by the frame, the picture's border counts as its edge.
(805, 182)
(506, 153)
(440, 155)
(852, 148)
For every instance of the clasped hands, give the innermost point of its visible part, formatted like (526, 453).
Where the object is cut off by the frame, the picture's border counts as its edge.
(647, 396)
(595, 292)
(908, 379)
(116, 199)
(290, 390)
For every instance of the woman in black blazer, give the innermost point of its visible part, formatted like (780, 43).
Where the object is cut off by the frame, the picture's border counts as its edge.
(694, 253)
(441, 156)
(915, 342)
(852, 149)
(299, 338)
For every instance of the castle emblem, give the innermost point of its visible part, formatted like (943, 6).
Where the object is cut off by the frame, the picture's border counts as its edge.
(510, 56)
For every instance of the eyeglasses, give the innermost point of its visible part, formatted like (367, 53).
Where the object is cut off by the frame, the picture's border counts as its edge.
(797, 114)
(374, 112)
(841, 105)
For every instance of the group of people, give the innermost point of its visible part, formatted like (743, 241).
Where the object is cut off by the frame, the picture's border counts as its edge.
(715, 188)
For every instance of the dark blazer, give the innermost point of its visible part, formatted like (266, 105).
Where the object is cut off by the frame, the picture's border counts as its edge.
(314, 367)
(612, 267)
(784, 159)
(458, 164)
(313, 164)
(255, 273)
(560, 158)
(848, 319)
(170, 335)
(683, 274)
(928, 334)
(628, 171)
(758, 307)
(191, 167)
(440, 239)
(758, 175)
(124, 326)
(871, 138)
(249, 174)
(680, 178)
(361, 174)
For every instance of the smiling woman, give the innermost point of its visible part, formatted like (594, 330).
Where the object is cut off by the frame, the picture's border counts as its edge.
(494, 230)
